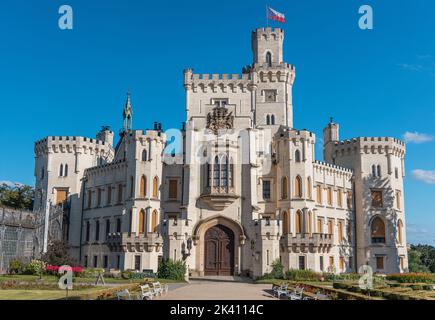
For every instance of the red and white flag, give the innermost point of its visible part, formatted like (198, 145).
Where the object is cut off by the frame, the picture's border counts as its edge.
(275, 15)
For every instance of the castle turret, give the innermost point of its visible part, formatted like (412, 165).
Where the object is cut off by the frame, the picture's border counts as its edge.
(330, 136)
(105, 135)
(267, 46)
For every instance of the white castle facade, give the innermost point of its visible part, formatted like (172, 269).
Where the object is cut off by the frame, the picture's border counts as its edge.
(242, 189)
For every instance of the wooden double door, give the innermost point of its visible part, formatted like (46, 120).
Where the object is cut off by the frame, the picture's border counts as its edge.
(219, 251)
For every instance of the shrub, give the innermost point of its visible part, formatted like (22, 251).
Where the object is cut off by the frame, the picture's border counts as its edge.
(276, 273)
(36, 267)
(16, 266)
(174, 270)
(412, 277)
(90, 272)
(58, 254)
(302, 275)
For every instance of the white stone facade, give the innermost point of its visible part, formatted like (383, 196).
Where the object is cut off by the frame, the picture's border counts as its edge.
(243, 190)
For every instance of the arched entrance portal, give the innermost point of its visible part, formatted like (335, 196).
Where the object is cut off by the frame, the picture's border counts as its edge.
(219, 251)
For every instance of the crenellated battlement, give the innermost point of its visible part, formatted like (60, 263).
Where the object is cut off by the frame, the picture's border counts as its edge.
(292, 134)
(322, 166)
(268, 33)
(70, 144)
(370, 145)
(106, 168)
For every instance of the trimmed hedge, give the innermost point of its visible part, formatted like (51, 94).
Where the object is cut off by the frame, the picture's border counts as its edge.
(302, 275)
(412, 277)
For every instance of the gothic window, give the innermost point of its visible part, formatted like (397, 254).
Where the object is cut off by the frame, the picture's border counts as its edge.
(208, 168)
(266, 190)
(377, 200)
(88, 230)
(309, 188)
(269, 59)
(298, 156)
(99, 197)
(154, 221)
(298, 187)
(378, 230)
(142, 221)
(398, 199)
(155, 187)
(379, 171)
(284, 187)
(396, 173)
(349, 199)
(144, 155)
(65, 173)
(173, 189)
(61, 170)
(399, 231)
(143, 187)
(298, 222)
(268, 119)
(89, 198)
(373, 170)
(272, 119)
(310, 222)
(109, 195)
(231, 174)
(285, 224)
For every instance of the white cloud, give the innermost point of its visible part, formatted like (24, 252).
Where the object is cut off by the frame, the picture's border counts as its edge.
(415, 137)
(411, 67)
(11, 184)
(424, 176)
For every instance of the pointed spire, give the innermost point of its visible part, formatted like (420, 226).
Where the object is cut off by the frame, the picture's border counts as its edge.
(127, 113)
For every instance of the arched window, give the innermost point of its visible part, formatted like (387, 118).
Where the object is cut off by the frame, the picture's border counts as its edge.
(298, 187)
(155, 187)
(144, 155)
(340, 231)
(154, 221)
(143, 186)
(379, 171)
(231, 174)
(142, 221)
(309, 188)
(61, 170)
(284, 187)
(298, 222)
(298, 156)
(319, 225)
(268, 120)
(399, 231)
(373, 170)
(285, 223)
(269, 59)
(216, 172)
(65, 173)
(378, 230)
(272, 119)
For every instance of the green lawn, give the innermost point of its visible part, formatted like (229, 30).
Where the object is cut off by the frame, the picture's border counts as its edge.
(44, 294)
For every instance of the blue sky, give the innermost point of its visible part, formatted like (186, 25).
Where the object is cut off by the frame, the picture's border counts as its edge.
(377, 82)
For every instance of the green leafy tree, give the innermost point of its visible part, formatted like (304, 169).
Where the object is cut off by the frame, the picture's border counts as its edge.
(17, 196)
(415, 263)
(58, 254)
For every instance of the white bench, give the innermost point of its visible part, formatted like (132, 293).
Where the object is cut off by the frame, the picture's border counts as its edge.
(123, 295)
(146, 292)
(280, 290)
(297, 294)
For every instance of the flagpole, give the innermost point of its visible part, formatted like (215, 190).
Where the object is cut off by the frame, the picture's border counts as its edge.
(267, 17)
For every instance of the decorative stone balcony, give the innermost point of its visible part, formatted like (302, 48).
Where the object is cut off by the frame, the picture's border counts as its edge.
(125, 242)
(305, 242)
(218, 198)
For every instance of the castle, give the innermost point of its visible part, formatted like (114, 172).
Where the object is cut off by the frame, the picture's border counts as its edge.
(240, 189)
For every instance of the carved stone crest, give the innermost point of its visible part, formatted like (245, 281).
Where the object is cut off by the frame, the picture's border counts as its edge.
(219, 119)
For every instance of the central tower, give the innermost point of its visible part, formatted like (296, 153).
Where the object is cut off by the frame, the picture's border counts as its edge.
(272, 80)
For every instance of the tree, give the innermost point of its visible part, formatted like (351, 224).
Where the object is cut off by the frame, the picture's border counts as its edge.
(421, 257)
(17, 196)
(58, 254)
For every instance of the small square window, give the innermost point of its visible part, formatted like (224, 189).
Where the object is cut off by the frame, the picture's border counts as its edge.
(270, 95)
(377, 200)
